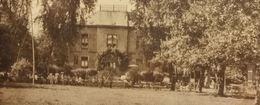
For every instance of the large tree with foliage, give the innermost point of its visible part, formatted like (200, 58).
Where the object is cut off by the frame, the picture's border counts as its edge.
(213, 32)
(148, 19)
(43, 51)
(60, 20)
(14, 31)
(151, 18)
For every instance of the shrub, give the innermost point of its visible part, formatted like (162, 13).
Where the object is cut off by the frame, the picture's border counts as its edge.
(158, 76)
(132, 75)
(21, 70)
(92, 72)
(147, 76)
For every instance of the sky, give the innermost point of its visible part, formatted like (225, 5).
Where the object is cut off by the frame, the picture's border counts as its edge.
(37, 7)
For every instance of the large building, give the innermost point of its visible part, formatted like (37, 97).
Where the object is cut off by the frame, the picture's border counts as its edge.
(109, 27)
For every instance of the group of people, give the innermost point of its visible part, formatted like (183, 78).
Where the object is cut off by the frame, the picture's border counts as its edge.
(61, 78)
(75, 79)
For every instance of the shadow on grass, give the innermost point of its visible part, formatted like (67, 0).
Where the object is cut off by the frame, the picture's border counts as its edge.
(22, 85)
(237, 96)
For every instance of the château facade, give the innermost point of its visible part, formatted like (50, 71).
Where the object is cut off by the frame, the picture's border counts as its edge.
(109, 27)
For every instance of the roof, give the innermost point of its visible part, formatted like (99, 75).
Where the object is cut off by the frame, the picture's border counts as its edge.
(110, 18)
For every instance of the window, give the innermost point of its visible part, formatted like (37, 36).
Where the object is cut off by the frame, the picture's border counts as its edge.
(84, 40)
(111, 40)
(84, 62)
(76, 59)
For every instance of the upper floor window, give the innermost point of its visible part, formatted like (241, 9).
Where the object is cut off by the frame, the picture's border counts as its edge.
(111, 40)
(84, 40)
(84, 62)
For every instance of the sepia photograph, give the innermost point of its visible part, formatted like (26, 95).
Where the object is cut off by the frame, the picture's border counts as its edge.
(129, 52)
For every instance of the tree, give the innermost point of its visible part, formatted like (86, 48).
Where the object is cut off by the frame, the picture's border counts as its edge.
(14, 35)
(106, 58)
(152, 18)
(110, 63)
(60, 22)
(43, 59)
(148, 19)
(226, 36)
(213, 32)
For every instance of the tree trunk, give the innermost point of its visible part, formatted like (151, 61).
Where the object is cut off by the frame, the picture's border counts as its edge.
(101, 82)
(48, 69)
(195, 80)
(172, 73)
(257, 97)
(111, 83)
(200, 84)
(201, 80)
(110, 77)
(221, 75)
(173, 82)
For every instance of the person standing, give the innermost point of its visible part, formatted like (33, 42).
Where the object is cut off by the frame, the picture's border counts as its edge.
(36, 78)
(50, 78)
(62, 78)
(56, 76)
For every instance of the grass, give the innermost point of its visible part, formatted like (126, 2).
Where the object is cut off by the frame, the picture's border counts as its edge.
(71, 95)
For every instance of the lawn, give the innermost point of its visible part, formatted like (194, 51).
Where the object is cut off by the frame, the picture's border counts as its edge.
(70, 95)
